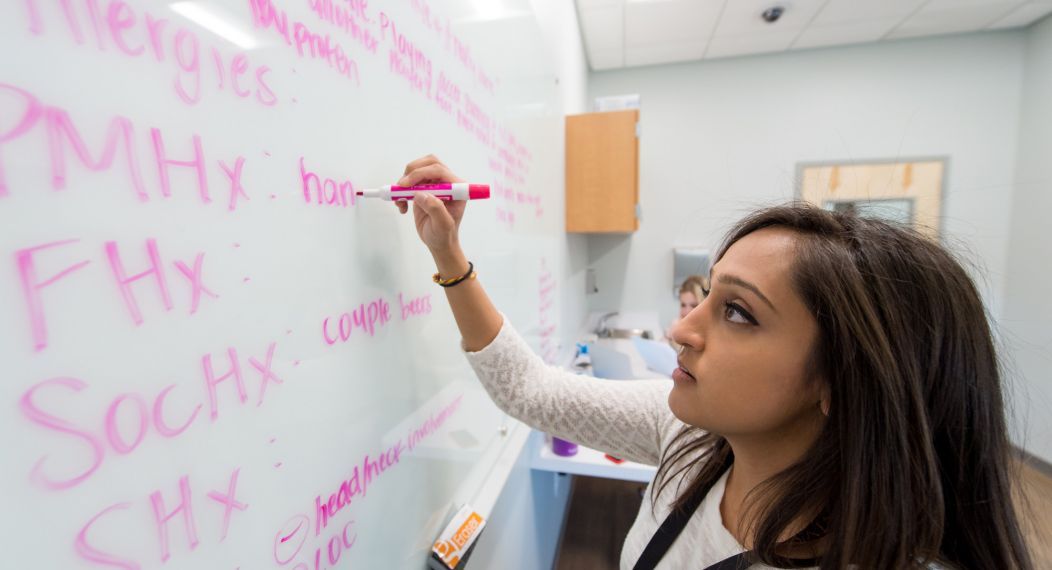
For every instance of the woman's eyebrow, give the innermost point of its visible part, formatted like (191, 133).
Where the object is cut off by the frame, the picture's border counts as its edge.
(735, 280)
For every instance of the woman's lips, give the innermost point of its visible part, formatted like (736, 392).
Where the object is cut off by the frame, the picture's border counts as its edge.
(681, 374)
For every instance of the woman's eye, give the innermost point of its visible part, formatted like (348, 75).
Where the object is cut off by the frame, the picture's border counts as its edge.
(736, 314)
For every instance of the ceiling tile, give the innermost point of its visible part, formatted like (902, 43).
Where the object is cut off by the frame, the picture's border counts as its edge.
(742, 17)
(840, 11)
(845, 33)
(603, 28)
(649, 23)
(940, 5)
(587, 4)
(728, 46)
(620, 33)
(942, 17)
(606, 59)
(1023, 16)
(669, 52)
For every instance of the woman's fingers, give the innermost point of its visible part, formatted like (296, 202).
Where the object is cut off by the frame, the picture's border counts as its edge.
(422, 161)
(456, 209)
(436, 172)
(434, 208)
(429, 169)
(428, 160)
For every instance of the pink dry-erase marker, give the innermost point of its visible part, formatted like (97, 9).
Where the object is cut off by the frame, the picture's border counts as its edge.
(448, 191)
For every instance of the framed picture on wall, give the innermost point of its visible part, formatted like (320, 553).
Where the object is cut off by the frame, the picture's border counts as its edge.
(904, 192)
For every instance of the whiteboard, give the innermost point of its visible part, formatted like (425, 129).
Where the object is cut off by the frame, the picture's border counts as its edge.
(216, 356)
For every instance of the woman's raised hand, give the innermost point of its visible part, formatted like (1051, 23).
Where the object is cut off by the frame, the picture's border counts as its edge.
(437, 221)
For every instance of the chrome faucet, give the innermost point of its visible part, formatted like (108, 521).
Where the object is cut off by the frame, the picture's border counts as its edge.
(601, 330)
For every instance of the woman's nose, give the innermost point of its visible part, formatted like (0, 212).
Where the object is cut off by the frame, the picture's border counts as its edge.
(688, 330)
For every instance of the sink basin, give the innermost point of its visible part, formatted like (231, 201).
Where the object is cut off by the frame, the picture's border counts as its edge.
(630, 333)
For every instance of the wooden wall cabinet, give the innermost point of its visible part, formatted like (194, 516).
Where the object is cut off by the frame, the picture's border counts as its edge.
(602, 172)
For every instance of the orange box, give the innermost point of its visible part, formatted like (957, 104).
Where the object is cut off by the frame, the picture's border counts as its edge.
(458, 536)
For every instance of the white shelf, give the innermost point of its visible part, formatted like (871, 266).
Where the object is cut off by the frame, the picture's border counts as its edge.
(587, 462)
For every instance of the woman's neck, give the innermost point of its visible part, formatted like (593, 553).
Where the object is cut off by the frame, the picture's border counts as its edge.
(757, 459)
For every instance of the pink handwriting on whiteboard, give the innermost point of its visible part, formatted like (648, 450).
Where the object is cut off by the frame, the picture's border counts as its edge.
(60, 133)
(157, 416)
(433, 423)
(91, 554)
(31, 409)
(546, 284)
(193, 274)
(33, 286)
(308, 44)
(294, 533)
(266, 376)
(120, 23)
(418, 306)
(452, 42)
(27, 118)
(350, 16)
(197, 163)
(234, 175)
(185, 506)
(476, 122)
(367, 317)
(368, 470)
(124, 281)
(510, 163)
(356, 485)
(36, 415)
(326, 191)
(162, 513)
(506, 217)
(447, 94)
(405, 58)
(287, 547)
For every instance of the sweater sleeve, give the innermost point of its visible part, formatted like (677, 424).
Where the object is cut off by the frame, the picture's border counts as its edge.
(625, 418)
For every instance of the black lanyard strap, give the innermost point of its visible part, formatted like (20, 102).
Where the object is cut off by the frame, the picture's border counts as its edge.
(739, 561)
(670, 528)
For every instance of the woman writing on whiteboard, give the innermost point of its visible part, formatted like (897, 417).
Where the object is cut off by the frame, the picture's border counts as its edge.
(837, 401)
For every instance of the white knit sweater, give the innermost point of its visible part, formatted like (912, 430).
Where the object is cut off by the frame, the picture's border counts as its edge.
(626, 418)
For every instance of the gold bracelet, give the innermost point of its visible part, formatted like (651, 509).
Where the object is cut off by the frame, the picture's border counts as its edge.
(455, 280)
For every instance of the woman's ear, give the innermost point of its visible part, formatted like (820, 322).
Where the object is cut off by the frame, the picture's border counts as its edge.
(823, 403)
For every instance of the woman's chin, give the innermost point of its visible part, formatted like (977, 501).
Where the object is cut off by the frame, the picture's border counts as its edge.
(683, 404)
(679, 405)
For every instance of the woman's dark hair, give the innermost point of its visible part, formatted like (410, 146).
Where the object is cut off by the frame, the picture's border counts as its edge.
(913, 464)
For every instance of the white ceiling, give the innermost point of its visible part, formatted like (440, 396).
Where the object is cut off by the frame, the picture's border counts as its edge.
(629, 33)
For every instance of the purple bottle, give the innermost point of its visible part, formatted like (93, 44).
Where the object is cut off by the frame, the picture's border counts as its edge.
(563, 447)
